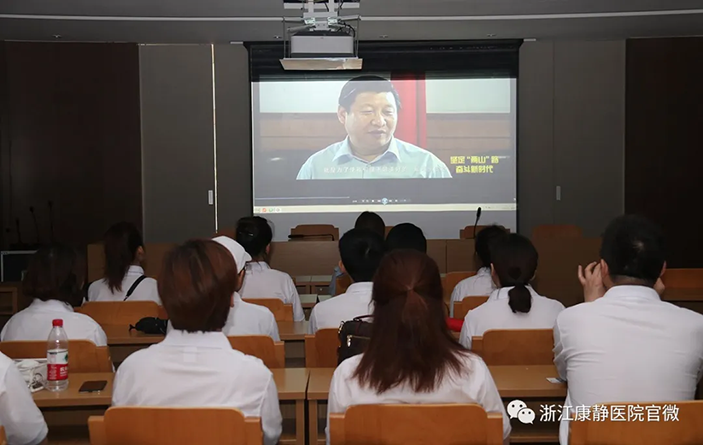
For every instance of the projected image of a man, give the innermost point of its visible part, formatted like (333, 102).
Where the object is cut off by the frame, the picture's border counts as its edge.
(368, 109)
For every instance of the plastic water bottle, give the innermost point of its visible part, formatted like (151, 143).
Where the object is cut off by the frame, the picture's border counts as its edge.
(57, 358)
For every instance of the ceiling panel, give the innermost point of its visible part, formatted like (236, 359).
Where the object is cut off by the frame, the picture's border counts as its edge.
(270, 8)
(223, 32)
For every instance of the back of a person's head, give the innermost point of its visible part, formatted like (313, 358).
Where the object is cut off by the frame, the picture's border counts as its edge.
(196, 285)
(515, 263)
(485, 239)
(120, 243)
(371, 221)
(634, 249)
(406, 236)
(55, 273)
(361, 251)
(254, 234)
(410, 342)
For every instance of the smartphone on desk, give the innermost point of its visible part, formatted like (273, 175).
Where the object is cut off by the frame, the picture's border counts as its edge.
(93, 386)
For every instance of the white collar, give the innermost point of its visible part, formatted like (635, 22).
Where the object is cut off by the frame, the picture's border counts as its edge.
(502, 293)
(135, 270)
(257, 266)
(177, 337)
(361, 288)
(51, 305)
(482, 272)
(630, 292)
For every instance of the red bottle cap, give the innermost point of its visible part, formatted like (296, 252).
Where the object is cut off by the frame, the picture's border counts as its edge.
(57, 322)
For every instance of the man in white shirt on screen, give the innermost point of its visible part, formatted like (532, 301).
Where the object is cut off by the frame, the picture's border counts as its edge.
(480, 284)
(623, 344)
(361, 251)
(246, 318)
(368, 109)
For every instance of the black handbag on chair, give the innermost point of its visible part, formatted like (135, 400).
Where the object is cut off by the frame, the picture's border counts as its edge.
(354, 335)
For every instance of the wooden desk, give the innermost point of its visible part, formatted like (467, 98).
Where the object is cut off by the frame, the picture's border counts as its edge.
(291, 384)
(527, 383)
(70, 407)
(683, 294)
(293, 335)
(308, 301)
(123, 342)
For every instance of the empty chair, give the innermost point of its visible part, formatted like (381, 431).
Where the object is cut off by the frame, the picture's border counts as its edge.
(321, 349)
(281, 311)
(263, 347)
(3, 440)
(174, 426)
(661, 428)
(403, 424)
(121, 313)
(84, 355)
(315, 232)
(515, 347)
(557, 231)
(467, 304)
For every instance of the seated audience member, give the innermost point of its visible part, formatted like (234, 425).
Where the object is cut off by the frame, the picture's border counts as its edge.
(255, 235)
(623, 344)
(367, 220)
(514, 305)
(246, 318)
(124, 255)
(406, 236)
(480, 284)
(361, 251)
(23, 422)
(195, 366)
(411, 356)
(54, 280)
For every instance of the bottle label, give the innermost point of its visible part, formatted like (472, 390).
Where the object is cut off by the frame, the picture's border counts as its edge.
(57, 364)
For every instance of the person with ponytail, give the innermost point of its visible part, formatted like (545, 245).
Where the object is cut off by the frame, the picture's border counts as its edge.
(514, 304)
(260, 281)
(411, 356)
(124, 278)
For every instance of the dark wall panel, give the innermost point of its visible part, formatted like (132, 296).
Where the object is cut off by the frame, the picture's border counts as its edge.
(664, 141)
(72, 138)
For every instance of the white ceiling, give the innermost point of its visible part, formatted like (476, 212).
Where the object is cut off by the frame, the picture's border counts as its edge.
(219, 21)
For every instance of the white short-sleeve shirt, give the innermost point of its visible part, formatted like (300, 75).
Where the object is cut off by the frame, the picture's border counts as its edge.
(145, 291)
(476, 385)
(496, 314)
(260, 281)
(19, 415)
(628, 346)
(355, 302)
(200, 370)
(477, 286)
(250, 319)
(35, 322)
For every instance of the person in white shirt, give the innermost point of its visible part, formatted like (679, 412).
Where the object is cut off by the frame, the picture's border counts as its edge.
(623, 344)
(361, 251)
(195, 366)
(255, 235)
(515, 305)
(54, 280)
(19, 415)
(246, 318)
(480, 284)
(124, 255)
(367, 220)
(411, 356)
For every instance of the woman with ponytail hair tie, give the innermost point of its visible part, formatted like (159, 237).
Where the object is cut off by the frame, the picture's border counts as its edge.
(411, 356)
(514, 305)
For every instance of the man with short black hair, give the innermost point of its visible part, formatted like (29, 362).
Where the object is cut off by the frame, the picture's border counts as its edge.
(361, 251)
(368, 109)
(623, 344)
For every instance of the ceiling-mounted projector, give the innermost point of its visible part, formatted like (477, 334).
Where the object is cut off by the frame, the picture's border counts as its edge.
(322, 38)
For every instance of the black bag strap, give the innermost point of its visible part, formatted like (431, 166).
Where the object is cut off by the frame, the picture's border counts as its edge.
(134, 286)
